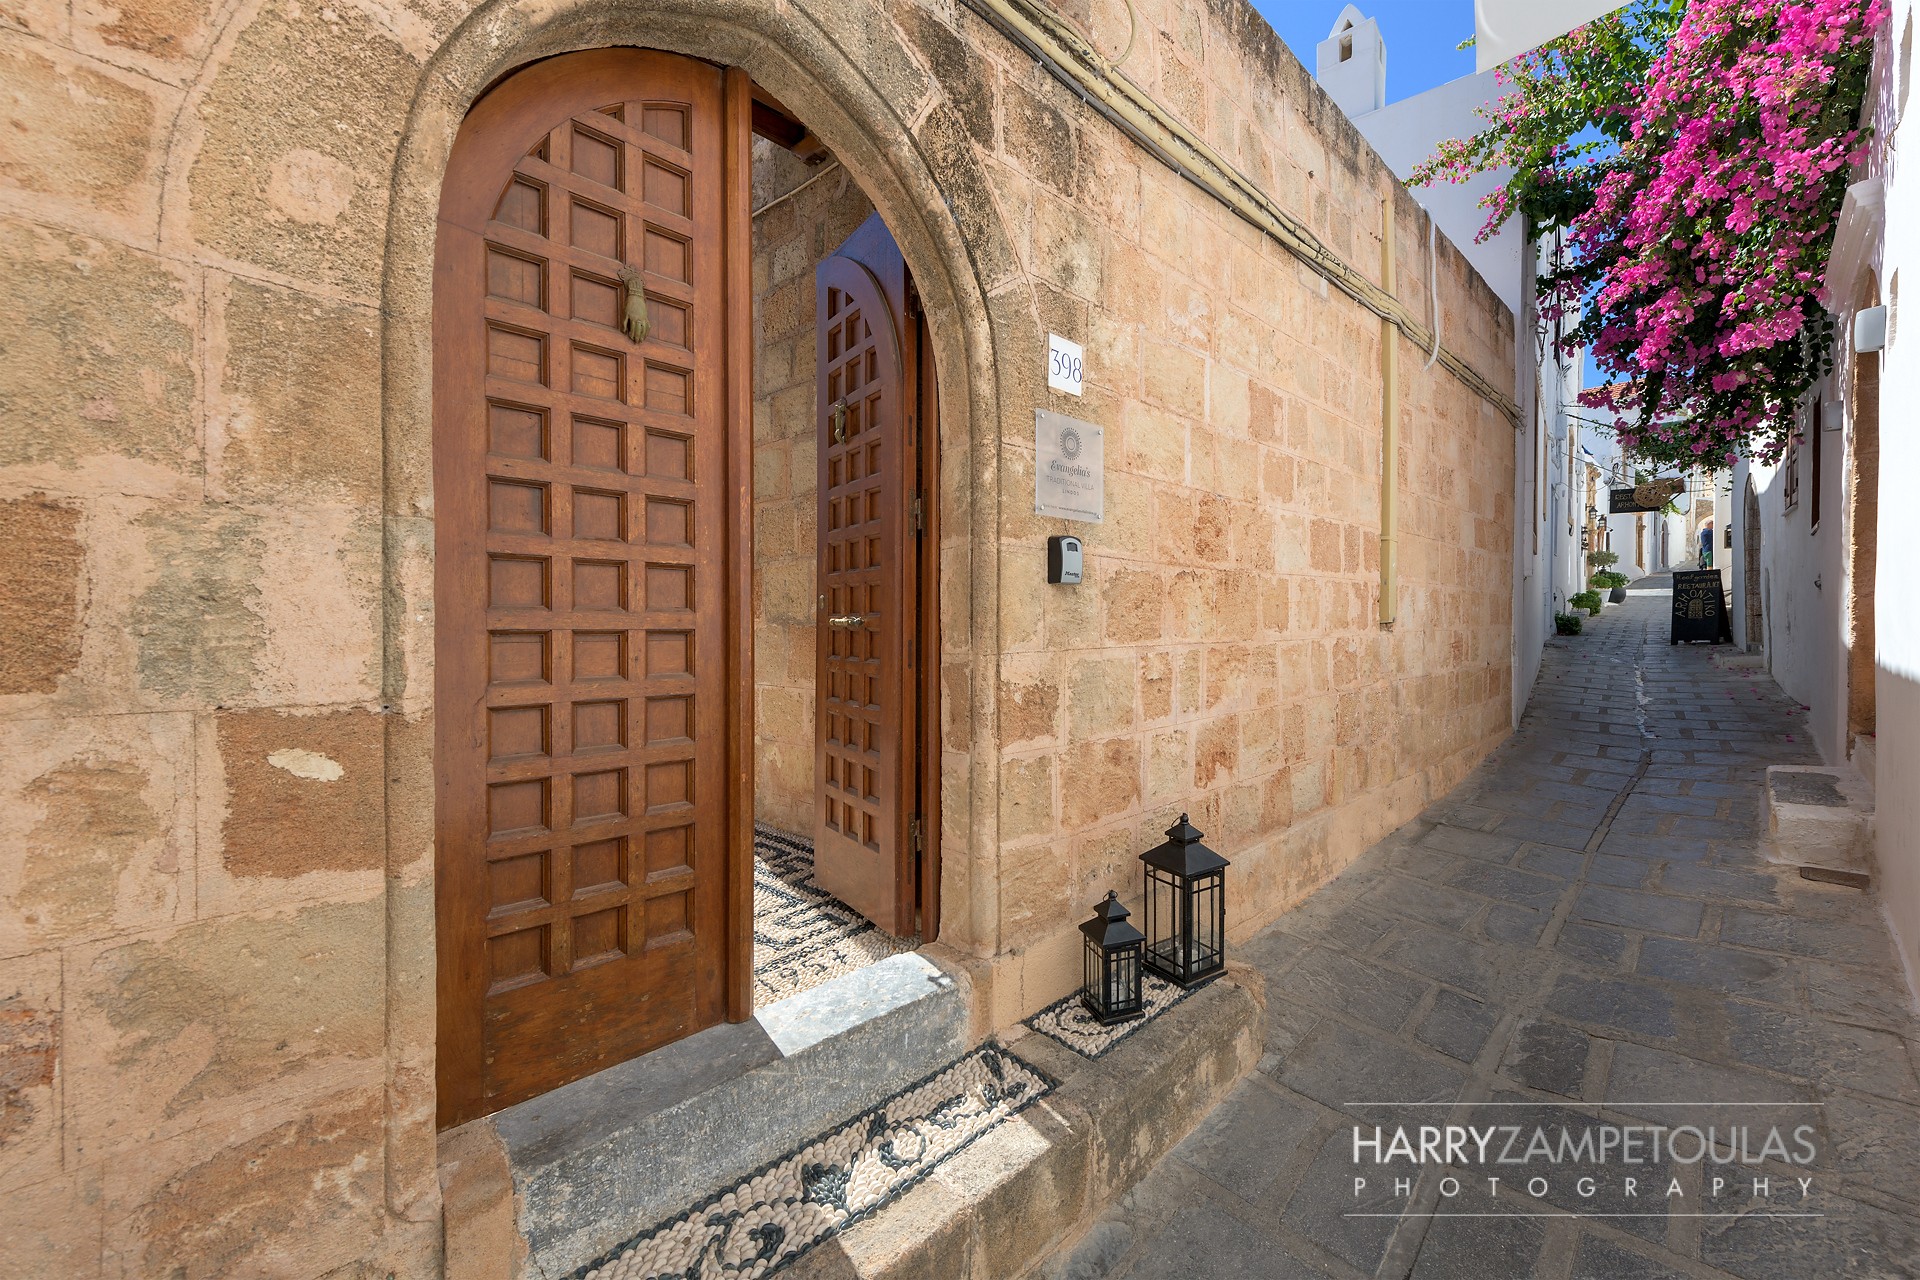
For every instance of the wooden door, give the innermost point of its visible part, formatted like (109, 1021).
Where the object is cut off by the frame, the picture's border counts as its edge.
(588, 522)
(866, 703)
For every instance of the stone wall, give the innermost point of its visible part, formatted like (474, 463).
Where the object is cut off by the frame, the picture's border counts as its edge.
(808, 212)
(216, 226)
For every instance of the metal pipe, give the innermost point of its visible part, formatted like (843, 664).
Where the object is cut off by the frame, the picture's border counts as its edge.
(1389, 432)
(1096, 81)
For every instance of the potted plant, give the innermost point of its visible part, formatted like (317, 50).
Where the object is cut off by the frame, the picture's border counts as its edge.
(1588, 600)
(1614, 583)
(1566, 624)
(1603, 562)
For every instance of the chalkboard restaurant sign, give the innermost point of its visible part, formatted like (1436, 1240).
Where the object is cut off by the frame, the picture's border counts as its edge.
(1651, 496)
(1699, 608)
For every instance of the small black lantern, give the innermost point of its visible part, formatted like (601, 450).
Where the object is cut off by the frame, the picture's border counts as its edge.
(1186, 907)
(1110, 985)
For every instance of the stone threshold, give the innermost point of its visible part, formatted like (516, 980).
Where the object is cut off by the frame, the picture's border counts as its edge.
(539, 1189)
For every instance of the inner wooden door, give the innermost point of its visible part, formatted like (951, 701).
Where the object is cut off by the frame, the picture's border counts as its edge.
(873, 712)
(589, 473)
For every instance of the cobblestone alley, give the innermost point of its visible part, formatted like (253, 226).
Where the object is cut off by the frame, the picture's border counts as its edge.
(1587, 932)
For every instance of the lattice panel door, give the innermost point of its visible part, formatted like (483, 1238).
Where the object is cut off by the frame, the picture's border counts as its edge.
(581, 527)
(862, 692)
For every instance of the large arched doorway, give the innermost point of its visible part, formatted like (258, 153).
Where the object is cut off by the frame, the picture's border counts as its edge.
(590, 433)
(607, 879)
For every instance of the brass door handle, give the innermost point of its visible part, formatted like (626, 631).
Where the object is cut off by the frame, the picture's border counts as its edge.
(848, 621)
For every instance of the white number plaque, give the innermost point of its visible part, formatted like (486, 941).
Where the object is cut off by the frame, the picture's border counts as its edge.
(1065, 365)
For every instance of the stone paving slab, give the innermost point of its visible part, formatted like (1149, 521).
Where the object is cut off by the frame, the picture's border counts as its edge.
(1586, 932)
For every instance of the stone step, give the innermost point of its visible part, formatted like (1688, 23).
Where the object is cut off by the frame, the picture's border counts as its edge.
(579, 1169)
(1009, 1202)
(1820, 817)
(565, 1185)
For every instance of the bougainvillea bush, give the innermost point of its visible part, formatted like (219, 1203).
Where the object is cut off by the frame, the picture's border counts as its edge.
(1695, 156)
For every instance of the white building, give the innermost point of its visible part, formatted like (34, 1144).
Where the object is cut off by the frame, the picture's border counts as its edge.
(1840, 627)
(1351, 65)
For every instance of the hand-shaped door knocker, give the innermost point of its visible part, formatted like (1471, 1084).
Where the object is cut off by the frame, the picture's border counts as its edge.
(633, 321)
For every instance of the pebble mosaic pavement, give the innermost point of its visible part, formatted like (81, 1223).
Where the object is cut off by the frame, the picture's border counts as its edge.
(803, 935)
(773, 1217)
(1067, 1020)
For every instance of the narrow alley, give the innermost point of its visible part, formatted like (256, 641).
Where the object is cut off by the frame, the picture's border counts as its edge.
(1586, 932)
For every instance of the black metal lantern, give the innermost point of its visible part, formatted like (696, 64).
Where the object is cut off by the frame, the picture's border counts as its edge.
(1110, 984)
(1186, 907)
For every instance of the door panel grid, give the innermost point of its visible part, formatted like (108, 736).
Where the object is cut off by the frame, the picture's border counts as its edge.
(864, 711)
(581, 532)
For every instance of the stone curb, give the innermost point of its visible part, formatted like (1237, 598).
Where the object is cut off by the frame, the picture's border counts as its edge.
(1039, 1181)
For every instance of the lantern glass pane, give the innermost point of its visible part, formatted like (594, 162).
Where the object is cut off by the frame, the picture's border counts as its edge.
(1186, 925)
(1208, 921)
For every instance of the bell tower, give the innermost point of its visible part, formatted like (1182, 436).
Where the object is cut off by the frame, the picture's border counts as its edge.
(1351, 64)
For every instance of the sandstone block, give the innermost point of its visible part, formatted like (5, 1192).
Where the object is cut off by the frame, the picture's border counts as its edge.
(101, 396)
(1100, 781)
(968, 81)
(82, 136)
(1156, 685)
(1100, 703)
(1216, 751)
(298, 135)
(213, 1025)
(1037, 137)
(1109, 186)
(40, 595)
(1029, 708)
(1033, 891)
(1026, 798)
(52, 1228)
(241, 606)
(294, 410)
(95, 833)
(291, 805)
(1135, 602)
(1170, 769)
(163, 37)
(297, 1197)
(1105, 858)
(482, 1241)
(30, 1030)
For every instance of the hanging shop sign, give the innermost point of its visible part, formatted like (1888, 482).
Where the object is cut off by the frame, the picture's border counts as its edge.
(1699, 608)
(1651, 496)
(1069, 472)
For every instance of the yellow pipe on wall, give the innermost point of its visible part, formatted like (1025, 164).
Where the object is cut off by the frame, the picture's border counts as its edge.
(1389, 432)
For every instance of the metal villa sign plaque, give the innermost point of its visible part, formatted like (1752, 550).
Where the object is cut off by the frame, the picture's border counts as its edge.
(1069, 467)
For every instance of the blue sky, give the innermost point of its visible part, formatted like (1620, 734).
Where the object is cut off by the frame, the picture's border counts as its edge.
(1420, 36)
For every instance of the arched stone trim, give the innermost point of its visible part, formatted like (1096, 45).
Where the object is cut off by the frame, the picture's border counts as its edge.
(885, 118)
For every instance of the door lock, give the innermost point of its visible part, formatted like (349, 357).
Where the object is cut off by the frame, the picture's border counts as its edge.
(848, 621)
(838, 418)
